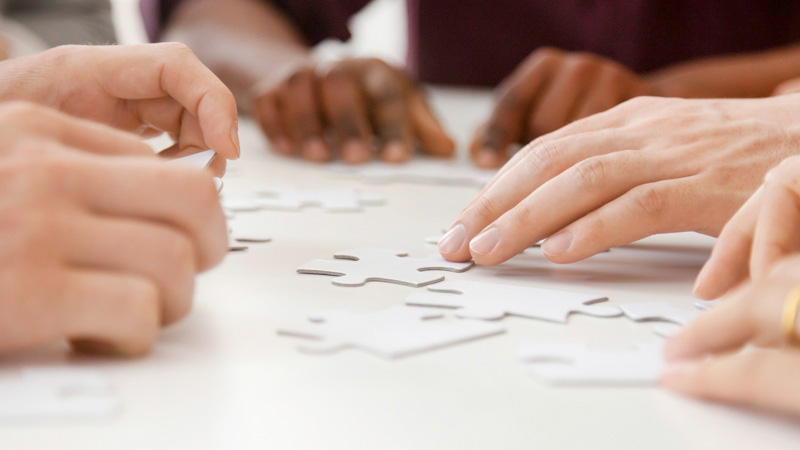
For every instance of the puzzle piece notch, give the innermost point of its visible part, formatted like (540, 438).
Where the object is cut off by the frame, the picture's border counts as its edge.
(56, 393)
(357, 267)
(576, 364)
(391, 333)
(660, 311)
(331, 200)
(492, 301)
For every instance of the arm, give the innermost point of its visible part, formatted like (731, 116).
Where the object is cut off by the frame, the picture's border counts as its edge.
(242, 41)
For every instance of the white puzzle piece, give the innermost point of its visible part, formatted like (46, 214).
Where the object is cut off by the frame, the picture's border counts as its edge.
(419, 171)
(331, 199)
(359, 266)
(576, 364)
(660, 311)
(491, 301)
(390, 333)
(200, 160)
(235, 205)
(56, 393)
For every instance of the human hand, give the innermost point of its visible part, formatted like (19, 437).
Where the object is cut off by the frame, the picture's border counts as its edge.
(550, 89)
(358, 101)
(146, 89)
(100, 239)
(765, 230)
(649, 166)
(703, 362)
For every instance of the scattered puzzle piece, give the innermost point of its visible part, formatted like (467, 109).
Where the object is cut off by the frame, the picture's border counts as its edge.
(56, 393)
(576, 364)
(491, 301)
(332, 199)
(199, 160)
(705, 305)
(660, 311)
(240, 205)
(418, 171)
(390, 333)
(357, 267)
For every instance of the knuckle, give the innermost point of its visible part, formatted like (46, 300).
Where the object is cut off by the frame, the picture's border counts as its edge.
(545, 54)
(591, 173)
(177, 49)
(485, 207)
(544, 156)
(649, 201)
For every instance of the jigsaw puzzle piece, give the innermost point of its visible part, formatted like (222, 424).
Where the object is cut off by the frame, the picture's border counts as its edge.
(331, 199)
(660, 311)
(706, 305)
(576, 364)
(492, 301)
(54, 393)
(390, 333)
(199, 160)
(359, 266)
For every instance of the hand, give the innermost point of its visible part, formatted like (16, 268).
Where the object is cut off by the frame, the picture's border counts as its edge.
(765, 230)
(648, 166)
(100, 239)
(4, 52)
(357, 101)
(550, 89)
(143, 88)
(751, 315)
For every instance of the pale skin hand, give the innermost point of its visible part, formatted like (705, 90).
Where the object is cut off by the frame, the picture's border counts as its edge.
(645, 167)
(764, 379)
(164, 88)
(362, 102)
(101, 240)
(765, 230)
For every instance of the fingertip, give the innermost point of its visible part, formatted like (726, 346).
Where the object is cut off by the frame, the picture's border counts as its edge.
(355, 152)
(316, 150)
(283, 146)
(488, 158)
(396, 152)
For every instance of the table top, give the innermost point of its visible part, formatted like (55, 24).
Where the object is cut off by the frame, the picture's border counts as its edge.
(223, 378)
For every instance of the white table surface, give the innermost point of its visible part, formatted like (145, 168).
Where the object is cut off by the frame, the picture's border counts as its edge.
(224, 379)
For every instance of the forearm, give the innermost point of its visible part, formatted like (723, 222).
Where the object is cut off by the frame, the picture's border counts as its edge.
(242, 41)
(741, 76)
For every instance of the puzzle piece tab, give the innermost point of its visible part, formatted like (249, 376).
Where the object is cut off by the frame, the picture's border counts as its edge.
(357, 267)
(491, 301)
(390, 333)
(56, 393)
(660, 311)
(576, 364)
(331, 199)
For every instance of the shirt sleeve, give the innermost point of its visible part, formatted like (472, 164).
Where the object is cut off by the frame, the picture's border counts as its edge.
(317, 20)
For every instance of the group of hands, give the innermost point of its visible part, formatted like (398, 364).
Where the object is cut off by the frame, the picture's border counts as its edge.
(101, 240)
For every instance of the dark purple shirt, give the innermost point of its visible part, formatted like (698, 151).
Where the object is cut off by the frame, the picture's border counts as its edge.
(482, 41)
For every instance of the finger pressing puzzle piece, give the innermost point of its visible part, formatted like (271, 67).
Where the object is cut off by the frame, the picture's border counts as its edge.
(357, 267)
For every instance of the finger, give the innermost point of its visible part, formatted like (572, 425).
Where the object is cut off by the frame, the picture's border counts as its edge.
(118, 310)
(561, 99)
(506, 123)
(540, 164)
(266, 111)
(299, 104)
(161, 254)
(72, 131)
(216, 168)
(776, 233)
(180, 196)
(173, 70)
(433, 139)
(602, 96)
(387, 95)
(727, 327)
(727, 265)
(644, 210)
(566, 198)
(762, 379)
(346, 110)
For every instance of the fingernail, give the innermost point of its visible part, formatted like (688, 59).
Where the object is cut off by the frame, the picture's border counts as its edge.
(558, 244)
(235, 138)
(486, 241)
(315, 150)
(283, 146)
(355, 152)
(453, 240)
(488, 157)
(219, 184)
(395, 152)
